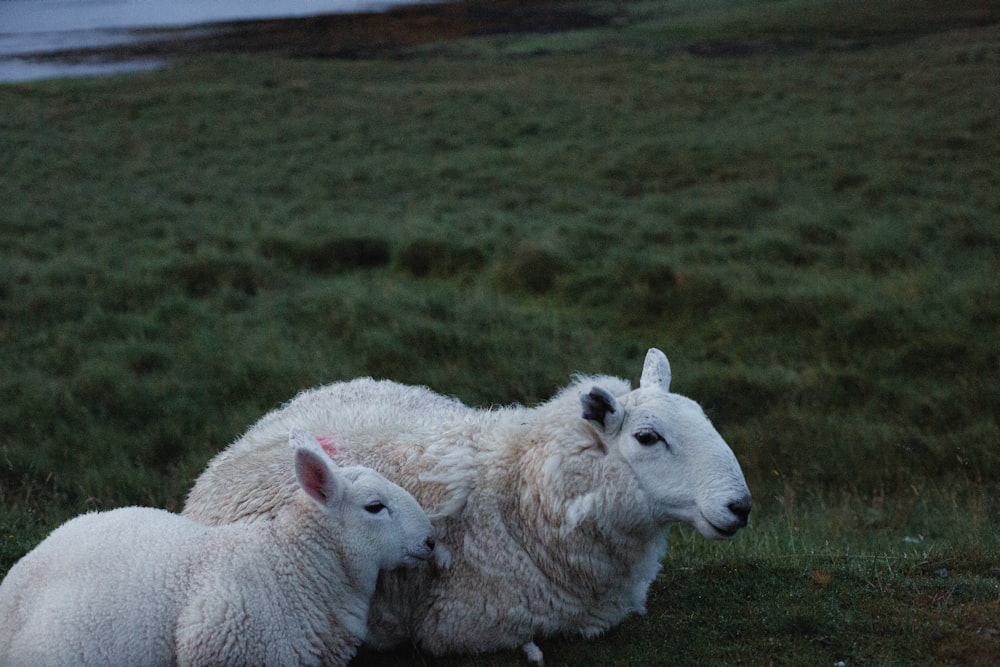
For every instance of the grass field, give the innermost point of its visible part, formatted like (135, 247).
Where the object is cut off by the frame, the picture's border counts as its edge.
(798, 201)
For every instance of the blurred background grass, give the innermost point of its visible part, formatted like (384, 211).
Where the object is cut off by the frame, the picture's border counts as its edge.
(796, 200)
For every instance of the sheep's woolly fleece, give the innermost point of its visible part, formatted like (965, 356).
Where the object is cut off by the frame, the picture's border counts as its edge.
(555, 517)
(141, 586)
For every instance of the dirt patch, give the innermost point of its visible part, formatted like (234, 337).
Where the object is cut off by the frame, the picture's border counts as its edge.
(380, 34)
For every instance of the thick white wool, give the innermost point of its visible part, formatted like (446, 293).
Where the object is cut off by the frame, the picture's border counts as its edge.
(140, 586)
(555, 517)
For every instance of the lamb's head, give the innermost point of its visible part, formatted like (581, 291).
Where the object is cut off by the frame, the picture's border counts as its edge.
(381, 521)
(684, 469)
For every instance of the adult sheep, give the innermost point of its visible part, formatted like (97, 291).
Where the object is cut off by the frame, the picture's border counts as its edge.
(556, 517)
(140, 586)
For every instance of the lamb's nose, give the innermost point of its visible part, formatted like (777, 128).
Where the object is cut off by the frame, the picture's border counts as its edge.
(741, 509)
(430, 543)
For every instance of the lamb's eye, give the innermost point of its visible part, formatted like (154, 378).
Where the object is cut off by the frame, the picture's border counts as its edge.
(374, 508)
(647, 438)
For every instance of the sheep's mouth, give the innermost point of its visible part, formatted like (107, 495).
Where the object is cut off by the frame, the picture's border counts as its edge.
(724, 533)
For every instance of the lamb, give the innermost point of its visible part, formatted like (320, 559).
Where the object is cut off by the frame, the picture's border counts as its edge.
(554, 518)
(142, 586)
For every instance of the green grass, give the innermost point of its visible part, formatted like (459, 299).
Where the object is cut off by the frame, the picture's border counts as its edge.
(806, 224)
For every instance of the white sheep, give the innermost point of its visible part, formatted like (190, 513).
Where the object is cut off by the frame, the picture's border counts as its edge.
(140, 586)
(555, 517)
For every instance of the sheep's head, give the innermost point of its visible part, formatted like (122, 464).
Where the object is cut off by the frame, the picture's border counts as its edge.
(382, 522)
(683, 467)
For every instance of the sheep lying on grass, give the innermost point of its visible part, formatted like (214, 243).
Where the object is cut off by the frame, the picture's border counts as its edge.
(140, 586)
(556, 517)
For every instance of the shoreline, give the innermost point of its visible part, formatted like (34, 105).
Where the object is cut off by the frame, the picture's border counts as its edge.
(341, 35)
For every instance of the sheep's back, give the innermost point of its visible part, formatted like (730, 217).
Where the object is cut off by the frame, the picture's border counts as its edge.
(402, 431)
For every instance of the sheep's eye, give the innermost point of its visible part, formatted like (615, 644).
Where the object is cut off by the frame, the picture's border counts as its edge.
(648, 438)
(374, 508)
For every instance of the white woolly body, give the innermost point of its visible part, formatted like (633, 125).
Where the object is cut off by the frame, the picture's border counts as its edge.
(140, 586)
(550, 517)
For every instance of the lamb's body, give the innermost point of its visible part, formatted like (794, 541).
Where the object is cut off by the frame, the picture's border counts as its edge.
(141, 586)
(64, 583)
(550, 528)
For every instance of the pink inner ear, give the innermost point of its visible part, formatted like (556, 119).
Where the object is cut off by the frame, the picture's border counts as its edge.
(313, 474)
(329, 444)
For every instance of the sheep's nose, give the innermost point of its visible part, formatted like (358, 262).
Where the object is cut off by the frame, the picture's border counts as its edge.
(741, 509)
(430, 543)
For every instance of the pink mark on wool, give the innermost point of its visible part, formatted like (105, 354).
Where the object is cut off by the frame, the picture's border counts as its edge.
(329, 444)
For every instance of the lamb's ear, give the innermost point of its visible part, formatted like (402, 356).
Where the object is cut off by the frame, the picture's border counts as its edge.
(315, 471)
(602, 410)
(655, 371)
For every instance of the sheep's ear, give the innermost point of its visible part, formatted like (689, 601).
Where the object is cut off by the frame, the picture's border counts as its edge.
(315, 471)
(601, 409)
(655, 371)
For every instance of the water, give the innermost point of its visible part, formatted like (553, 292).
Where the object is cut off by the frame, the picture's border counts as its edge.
(31, 27)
